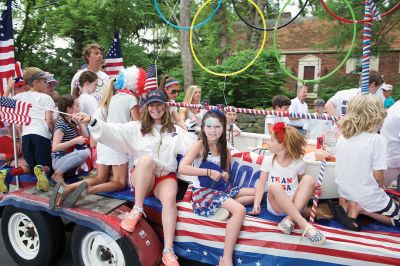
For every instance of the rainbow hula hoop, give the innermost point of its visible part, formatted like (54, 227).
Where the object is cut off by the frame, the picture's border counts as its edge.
(275, 50)
(186, 28)
(327, 9)
(268, 29)
(240, 70)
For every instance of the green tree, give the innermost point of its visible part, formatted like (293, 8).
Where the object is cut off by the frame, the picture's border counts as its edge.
(253, 88)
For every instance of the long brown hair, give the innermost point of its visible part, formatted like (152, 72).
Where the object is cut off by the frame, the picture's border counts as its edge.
(148, 121)
(64, 102)
(222, 142)
(293, 142)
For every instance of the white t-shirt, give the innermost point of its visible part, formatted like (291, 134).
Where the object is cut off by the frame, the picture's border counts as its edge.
(286, 176)
(317, 127)
(119, 110)
(342, 98)
(297, 107)
(38, 123)
(272, 119)
(356, 158)
(101, 86)
(391, 134)
(379, 93)
(87, 104)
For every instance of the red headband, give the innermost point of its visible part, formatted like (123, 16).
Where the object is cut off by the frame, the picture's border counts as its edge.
(280, 129)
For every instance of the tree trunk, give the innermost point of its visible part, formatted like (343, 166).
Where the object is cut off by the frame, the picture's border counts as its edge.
(256, 34)
(186, 56)
(223, 34)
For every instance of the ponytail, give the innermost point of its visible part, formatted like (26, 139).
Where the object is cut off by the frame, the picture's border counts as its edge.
(108, 94)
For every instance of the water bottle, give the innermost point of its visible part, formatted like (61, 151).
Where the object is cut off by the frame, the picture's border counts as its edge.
(330, 141)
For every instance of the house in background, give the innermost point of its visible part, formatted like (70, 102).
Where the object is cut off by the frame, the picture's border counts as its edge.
(301, 45)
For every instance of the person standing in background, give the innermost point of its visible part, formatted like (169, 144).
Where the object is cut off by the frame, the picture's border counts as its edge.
(298, 105)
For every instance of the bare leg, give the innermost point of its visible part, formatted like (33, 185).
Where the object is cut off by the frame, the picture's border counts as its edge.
(143, 179)
(344, 203)
(304, 192)
(245, 196)
(166, 192)
(117, 182)
(379, 217)
(58, 176)
(232, 229)
(280, 202)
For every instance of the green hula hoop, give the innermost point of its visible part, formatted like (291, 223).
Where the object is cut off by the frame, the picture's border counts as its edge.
(240, 70)
(275, 50)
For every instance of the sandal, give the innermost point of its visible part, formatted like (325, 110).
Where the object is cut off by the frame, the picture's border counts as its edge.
(130, 221)
(3, 185)
(169, 258)
(42, 180)
(286, 226)
(57, 192)
(346, 221)
(314, 235)
(79, 193)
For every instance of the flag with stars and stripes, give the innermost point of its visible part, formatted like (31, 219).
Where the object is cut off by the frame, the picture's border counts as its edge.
(19, 80)
(14, 111)
(6, 45)
(151, 79)
(114, 62)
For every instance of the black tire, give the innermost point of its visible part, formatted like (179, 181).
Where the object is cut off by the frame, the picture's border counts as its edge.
(81, 232)
(49, 230)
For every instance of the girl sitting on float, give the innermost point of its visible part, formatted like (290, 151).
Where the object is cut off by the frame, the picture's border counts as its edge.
(156, 142)
(289, 190)
(212, 194)
(171, 88)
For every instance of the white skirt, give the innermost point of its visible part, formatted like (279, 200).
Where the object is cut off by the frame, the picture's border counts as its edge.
(109, 156)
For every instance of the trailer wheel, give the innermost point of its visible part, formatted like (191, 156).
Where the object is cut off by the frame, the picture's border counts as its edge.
(32, 237)
(90, 247)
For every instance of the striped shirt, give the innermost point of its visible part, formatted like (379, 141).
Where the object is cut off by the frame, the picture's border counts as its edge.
(69, 133)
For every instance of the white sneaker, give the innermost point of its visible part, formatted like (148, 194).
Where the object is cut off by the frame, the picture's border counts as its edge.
(221, 214)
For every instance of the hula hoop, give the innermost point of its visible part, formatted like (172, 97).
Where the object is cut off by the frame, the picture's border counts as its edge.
(275, 50)
(186, 28)
(268, 29)
(240, 70)
(348, 21)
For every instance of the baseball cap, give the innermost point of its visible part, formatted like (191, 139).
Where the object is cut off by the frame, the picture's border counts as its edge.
(34, 73)
(387, 87)
(319, 102)
(155, 96)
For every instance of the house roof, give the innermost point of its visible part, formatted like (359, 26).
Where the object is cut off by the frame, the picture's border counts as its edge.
(311, 33)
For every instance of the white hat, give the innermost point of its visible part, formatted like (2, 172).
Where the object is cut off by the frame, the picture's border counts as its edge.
(387, 87)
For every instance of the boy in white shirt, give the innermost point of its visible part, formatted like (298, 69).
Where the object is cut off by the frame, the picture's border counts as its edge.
(360, 161)
(280, 103)
(298, 105)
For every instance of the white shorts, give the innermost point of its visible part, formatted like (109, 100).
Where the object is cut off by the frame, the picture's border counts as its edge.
(272, 211)
(109, 156)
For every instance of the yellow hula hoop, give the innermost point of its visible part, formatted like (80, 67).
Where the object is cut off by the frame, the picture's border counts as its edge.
(240, 70)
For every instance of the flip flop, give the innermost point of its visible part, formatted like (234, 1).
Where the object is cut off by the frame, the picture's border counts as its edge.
(346, 221)
(57, 191)
(79, 193)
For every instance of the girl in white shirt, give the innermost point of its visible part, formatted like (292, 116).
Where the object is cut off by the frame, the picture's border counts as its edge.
(87, 86)
(288, 188)
(155, 143)
(360, 161)
(211, 189)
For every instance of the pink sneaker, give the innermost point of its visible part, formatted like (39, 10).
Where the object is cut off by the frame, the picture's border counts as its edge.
(169, 258)
(129, 222)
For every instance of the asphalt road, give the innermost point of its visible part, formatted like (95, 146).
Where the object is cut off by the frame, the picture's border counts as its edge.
(66, 260)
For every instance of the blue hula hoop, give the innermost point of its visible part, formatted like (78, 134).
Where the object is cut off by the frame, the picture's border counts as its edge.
(186, 28)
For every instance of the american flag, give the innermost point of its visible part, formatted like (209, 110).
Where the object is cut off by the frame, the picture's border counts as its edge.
(114, 62)
(6, 45)
(151, 79)
(14, 111)
(19, 80)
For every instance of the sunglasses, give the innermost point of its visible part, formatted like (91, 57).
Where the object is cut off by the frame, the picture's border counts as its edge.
(175, 91)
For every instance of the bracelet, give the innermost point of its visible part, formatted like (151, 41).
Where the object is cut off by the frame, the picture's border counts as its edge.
(92, 124)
